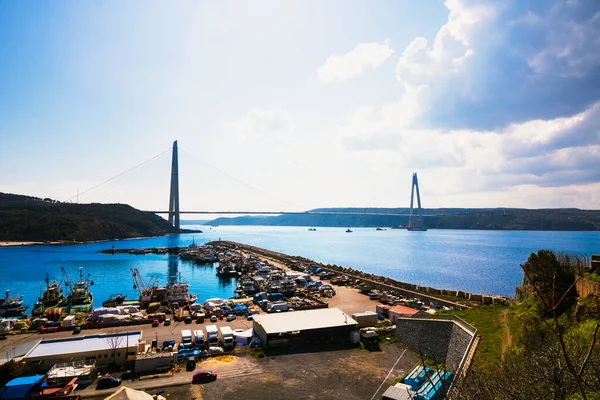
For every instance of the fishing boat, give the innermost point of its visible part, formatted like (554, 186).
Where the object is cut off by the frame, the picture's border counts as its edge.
(80, 298)
(227, 270)
(178, 292)
(11, 306)
(52, 297)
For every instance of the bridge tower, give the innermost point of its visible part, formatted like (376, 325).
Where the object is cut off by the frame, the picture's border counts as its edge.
(415, 222)
(174, 197)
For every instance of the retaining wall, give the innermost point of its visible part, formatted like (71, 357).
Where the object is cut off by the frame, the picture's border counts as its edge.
(446, 341)
(586, 287)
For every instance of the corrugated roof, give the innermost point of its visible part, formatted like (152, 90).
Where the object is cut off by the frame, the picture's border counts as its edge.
(404, 310)
(303, 320)
(84, 344)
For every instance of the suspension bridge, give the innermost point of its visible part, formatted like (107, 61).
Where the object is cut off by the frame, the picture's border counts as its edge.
(415, 222)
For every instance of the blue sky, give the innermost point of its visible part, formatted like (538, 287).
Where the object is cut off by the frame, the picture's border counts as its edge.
(308, 103)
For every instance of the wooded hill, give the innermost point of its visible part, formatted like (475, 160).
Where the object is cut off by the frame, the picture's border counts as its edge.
(25, 218)
(559, 219)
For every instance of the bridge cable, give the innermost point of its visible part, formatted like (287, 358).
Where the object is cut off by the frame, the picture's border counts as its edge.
(242, 182)
(117, 176)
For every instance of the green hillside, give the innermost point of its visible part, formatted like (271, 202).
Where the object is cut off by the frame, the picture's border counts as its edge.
(24, 218)
(561, 219)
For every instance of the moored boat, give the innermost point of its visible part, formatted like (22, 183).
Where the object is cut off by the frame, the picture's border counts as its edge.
(52, 297)
(11, 306)
(80, 297)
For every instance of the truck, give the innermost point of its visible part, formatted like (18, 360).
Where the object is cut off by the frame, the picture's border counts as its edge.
(186, 338)
(212, 335)
(198, 338)
(278, 307)
(227, 338)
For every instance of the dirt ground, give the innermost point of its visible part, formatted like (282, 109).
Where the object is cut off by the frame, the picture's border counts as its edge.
(341, 374)
(327, 374)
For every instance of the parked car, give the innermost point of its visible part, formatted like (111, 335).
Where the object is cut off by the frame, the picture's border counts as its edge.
(76, 330)
(215, 350)
(167, 322)
(213, 318)
(231, 317)
(188, 320)
(204, 376)
(155, 323)
(106, 382)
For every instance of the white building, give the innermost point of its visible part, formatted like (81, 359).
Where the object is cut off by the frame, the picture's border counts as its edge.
(99, 349)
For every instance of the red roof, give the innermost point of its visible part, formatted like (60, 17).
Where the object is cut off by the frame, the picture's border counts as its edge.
(404, 310)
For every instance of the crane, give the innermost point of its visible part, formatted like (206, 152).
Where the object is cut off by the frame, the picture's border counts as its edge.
(67, 280)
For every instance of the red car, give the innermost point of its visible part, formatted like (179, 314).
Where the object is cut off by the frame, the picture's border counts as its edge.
(204, 376)
(155, 323)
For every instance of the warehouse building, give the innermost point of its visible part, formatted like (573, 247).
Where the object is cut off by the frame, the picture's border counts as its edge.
(94, 349)
(325, 325)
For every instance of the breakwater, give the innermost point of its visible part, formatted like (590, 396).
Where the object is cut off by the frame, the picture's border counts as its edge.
(450, 298)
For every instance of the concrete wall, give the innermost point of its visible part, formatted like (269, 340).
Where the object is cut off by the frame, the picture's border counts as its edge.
(446, 341)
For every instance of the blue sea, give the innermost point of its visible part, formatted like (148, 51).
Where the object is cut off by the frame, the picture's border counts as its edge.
(474, 261)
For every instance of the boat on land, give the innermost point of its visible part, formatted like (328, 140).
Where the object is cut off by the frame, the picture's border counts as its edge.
(348, 230)
(52, 297)
(11, 306)
(80, 297)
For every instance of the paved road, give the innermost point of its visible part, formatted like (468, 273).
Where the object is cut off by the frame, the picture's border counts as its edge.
(225, 367)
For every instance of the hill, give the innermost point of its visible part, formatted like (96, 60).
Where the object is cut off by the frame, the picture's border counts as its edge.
(560, 219)
(25, 218)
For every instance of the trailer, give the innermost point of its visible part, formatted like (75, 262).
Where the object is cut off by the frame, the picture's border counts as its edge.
(226, 337)
(212, 335)
(186, 338)
(198, 338)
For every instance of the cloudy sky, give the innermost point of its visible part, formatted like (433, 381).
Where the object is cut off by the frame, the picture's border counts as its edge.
(301, 104)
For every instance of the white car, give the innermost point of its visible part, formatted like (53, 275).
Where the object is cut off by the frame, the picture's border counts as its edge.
(215, 350)
(231, 317)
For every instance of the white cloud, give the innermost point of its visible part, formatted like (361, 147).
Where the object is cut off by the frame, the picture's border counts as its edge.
(263, 124)
(353, 63)
(421, 64)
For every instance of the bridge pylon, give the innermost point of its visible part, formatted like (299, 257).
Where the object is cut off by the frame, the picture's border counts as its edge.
(174, 197)
(415, 222)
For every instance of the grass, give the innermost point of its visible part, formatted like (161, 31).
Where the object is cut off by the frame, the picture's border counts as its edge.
(487, 320)
(257, 353)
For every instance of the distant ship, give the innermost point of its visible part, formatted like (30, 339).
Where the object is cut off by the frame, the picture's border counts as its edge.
(52, 297)
(348, 230)
(80, 298)
(380, 229)
(312, 229)
(416, 228)
(11, 306)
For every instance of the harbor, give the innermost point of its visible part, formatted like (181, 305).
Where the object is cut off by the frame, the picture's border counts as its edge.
(171, 325)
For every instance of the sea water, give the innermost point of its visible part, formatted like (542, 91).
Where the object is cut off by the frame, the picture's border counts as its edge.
(474, 261)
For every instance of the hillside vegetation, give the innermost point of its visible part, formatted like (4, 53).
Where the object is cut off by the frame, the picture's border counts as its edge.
(562, 219)
(544, 345)
(24, 218)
